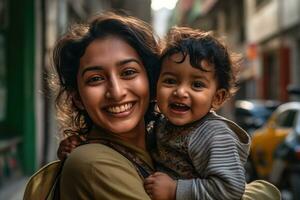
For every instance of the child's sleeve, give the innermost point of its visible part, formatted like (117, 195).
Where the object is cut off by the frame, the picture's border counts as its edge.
(215, 154)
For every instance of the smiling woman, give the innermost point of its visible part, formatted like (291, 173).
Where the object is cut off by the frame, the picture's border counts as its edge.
(106, 70)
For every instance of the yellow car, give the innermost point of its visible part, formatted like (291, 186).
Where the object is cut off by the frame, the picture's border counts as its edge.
(266, 139)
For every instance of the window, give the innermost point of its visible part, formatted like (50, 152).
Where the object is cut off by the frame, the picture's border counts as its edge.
(287, 119)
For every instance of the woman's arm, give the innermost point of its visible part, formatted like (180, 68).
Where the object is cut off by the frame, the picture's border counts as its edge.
(95, 171)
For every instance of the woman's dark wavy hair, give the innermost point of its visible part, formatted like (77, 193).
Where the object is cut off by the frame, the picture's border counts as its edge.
(200, 46)
(71, 47)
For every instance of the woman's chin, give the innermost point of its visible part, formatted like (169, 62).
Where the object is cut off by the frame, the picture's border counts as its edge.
(124, 127)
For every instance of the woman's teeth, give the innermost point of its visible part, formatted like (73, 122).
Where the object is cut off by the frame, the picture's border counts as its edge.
(120, 108)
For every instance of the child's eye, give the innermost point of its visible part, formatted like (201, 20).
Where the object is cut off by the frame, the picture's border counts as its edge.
(128, 73)
(170, 81)
(198, 85)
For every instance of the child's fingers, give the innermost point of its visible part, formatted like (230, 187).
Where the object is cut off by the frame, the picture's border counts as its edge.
(74, 139)
(82, 138)
(60, 152)
(148, 188)
(63, 155)
(64, 151)
(149, 181)
(155, 174)
(68, 149)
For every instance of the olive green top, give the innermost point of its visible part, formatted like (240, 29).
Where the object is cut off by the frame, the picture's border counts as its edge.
(95, 171)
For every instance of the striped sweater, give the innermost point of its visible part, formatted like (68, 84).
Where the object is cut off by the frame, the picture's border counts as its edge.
(206, 157)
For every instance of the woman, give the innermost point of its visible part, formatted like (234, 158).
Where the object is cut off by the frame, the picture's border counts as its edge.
(107, 70)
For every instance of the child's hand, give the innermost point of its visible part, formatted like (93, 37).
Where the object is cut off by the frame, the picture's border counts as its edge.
(67, 145)
(160, 186)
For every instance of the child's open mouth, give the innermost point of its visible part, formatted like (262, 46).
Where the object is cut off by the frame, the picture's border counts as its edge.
(179, 107)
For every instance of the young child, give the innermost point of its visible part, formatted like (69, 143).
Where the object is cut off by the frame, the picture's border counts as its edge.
(202, 152)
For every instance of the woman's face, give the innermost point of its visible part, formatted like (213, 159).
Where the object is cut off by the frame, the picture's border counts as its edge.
(113, 86)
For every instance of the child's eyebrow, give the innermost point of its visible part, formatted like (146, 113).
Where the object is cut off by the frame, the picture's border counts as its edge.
(200, 77)
(167, 73)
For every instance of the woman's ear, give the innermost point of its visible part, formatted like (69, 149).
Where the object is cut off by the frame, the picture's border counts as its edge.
(219, 99)
(77, 100)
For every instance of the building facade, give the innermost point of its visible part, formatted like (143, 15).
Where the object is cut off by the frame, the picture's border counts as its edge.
(273, 34)
(265, 32)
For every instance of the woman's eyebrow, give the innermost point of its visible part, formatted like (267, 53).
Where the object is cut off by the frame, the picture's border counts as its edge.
(91, 68)
(125, 61)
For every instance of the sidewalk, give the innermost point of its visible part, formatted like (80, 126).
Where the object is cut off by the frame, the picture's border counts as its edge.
(13, 190)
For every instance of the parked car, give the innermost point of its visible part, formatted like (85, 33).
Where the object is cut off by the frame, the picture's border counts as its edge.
(275, 149)
(252, 114)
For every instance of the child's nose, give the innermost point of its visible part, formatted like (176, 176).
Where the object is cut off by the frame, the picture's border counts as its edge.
(181, 92)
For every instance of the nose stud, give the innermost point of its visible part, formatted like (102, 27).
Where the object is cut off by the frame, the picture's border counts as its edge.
(175, 93)
(108, 95)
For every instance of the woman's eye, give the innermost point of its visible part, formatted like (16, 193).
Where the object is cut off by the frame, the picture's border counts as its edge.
(128, 73)
(95, 79)
(169, 81)
(198, 85)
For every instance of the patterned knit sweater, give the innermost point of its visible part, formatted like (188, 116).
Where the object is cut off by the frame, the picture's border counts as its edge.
(206, 157)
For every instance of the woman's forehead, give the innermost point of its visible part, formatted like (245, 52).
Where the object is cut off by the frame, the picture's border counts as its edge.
(108, 50)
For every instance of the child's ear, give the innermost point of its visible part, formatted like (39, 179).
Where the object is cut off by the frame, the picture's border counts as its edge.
(219, 99)
(77, 100)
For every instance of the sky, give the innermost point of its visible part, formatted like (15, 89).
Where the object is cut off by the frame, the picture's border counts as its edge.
(159, 4)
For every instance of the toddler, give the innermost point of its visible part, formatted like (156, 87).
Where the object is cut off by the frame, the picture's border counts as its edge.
(202, 152)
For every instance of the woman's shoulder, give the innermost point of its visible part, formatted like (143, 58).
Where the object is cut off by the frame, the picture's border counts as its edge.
(91, 154)
(98, 172)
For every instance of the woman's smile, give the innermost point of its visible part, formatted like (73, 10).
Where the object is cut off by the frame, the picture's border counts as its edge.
(121, 110)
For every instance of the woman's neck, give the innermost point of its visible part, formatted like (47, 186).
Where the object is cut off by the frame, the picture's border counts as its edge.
(136, 137)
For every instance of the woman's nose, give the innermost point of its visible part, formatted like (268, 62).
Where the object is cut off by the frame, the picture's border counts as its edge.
(116, 90)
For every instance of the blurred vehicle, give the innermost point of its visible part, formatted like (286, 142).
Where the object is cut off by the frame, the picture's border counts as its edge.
(275, 149)
(252, 114)
(294, 89)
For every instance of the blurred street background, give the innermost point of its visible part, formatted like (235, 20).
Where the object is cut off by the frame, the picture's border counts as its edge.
(265, 32)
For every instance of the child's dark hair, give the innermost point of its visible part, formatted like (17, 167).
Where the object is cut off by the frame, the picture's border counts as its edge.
(200, 46)
(71, 47)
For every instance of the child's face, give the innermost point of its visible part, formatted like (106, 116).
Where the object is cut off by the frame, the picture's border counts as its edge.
(113, 86)
(184, 93)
